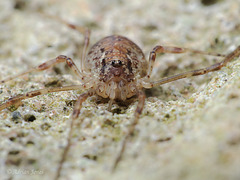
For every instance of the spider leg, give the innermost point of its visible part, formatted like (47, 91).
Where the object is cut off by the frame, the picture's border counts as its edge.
(70, 64)
(197, 72)
(74, 116)
(17, 99)
(175, 50)
(83, 30)
(85, 48)
(86, 33)
(48, 64)
(138, 112)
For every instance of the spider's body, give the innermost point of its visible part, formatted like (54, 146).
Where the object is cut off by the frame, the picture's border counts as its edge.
(116, 63)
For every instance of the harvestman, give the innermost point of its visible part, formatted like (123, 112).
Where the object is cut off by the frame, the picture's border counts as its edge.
(115, 68)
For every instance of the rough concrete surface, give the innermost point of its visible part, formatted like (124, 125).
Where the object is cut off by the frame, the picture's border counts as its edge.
(189, 129)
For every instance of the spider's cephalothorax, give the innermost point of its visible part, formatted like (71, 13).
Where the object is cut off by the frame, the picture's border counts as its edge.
(116, 61)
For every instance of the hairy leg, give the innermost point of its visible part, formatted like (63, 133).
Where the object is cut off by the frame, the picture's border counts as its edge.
(74, 116)
(176, 50)
(138, 112)
(17, 99)
(83, 30)
(49, 64)
(197, 72)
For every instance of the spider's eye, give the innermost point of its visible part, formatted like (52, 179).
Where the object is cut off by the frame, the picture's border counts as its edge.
(116, 63)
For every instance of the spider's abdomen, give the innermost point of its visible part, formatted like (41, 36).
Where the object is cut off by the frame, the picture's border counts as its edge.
(116, 50)
(116, 62)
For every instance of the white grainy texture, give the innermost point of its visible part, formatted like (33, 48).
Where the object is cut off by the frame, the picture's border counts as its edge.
(188, 130)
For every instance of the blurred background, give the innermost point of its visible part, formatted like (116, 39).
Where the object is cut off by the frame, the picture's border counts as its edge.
(189, 129)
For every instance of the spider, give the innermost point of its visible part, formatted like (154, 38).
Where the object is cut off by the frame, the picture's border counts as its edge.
(116, 69)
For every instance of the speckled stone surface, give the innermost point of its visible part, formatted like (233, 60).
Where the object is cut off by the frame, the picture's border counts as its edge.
(189, 129)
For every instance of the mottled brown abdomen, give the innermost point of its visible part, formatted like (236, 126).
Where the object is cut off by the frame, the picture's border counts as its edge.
(116, 48)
